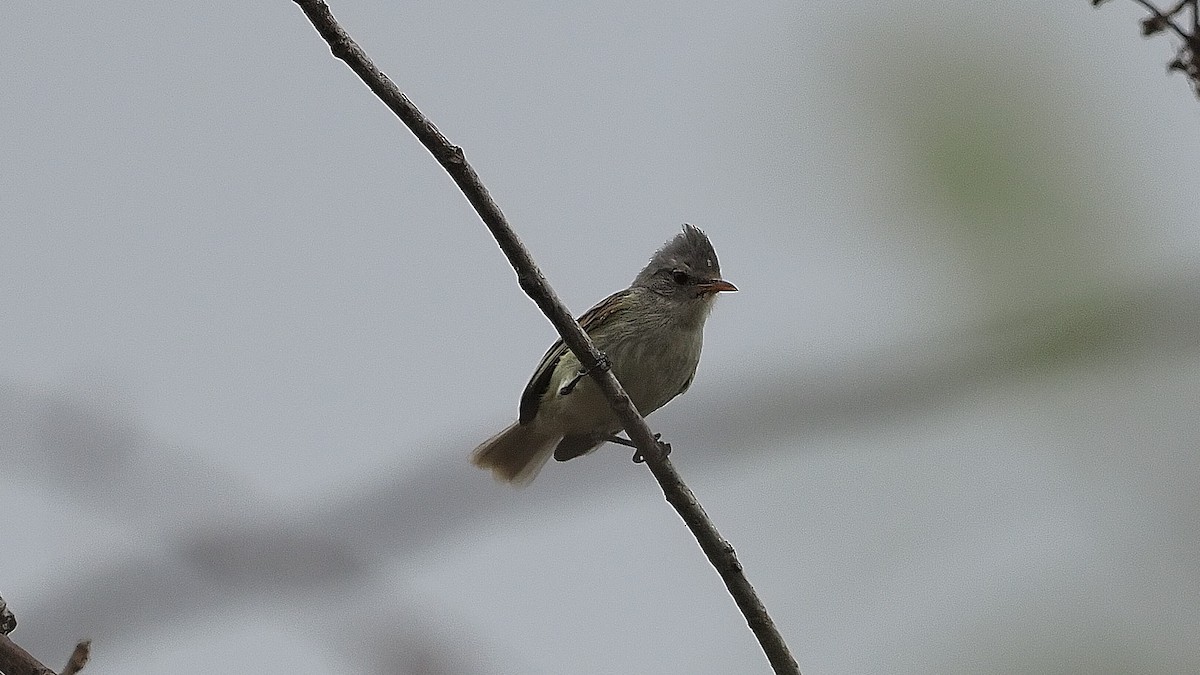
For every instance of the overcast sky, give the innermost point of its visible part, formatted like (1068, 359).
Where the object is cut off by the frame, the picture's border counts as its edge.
(250, 332)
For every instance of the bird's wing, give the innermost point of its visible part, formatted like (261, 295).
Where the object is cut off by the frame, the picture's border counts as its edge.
(686, 384)
(531, 398)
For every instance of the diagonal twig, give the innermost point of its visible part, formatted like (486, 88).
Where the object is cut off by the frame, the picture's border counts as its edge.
(1163, 19)
(14, 660)
(1187, 55)
(720, 553)
(79, 658)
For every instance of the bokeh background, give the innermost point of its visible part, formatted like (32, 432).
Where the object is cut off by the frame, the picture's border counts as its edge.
(249, 333)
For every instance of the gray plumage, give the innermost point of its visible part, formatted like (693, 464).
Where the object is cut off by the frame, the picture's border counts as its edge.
(652, 333)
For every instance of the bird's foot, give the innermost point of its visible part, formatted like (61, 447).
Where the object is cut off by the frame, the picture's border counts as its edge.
(638, 458)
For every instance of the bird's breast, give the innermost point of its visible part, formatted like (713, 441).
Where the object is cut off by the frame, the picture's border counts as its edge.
(653, 363)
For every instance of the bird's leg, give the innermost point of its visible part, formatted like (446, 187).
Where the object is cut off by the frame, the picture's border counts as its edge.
(620, 440)
(637, 456)
(601, 364)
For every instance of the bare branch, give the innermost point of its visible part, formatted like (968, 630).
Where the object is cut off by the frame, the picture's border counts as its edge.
(8, 622)
(1187, 56)
(720, 553)
(1159, 20)
(79, 658)
(16, 661)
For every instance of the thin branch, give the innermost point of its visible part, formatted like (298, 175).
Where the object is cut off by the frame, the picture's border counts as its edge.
(720, 553)
(16, 661)
(13, 659)
(8, 622)
(79, 658)
(1164, 19)
(1187, 56)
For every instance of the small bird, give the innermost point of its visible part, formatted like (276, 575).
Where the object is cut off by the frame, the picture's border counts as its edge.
(651, 333)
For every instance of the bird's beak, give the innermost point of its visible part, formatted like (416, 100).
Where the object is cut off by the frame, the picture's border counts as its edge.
(716, 286)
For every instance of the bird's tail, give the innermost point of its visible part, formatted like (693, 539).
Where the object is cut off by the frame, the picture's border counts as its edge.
(516, 454)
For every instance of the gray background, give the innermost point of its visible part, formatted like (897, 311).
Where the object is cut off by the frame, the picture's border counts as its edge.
(249, 333)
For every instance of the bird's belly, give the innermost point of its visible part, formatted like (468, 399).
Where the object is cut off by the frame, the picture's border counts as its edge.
(651, 371)
(655, 376)
(582, 411)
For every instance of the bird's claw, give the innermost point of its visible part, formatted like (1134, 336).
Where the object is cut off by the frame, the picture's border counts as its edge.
(639, 458)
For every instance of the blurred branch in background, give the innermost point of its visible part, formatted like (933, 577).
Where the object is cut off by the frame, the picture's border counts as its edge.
(1173, 19)
(16, 661)
(79, 658)
(8, 621)
(243, 549)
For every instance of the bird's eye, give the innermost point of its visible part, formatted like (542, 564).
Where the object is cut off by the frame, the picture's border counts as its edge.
(679, 276)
